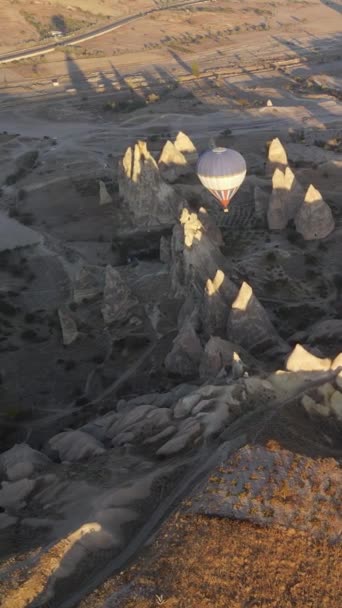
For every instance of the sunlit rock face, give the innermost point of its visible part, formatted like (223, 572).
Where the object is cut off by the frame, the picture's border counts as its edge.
(172, 163)
(286, 198)
(184, 144)
(249, 324)
(301, 360)
(314, 219)
(277, 157)
(149, 199)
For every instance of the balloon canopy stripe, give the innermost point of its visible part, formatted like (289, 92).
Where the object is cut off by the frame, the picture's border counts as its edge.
(222, 172)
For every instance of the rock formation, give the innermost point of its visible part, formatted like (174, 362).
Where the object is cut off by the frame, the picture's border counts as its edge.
(185, 356)
(294, 193)
(300, 360)
(73, 446)
(277, 216)
(184, 144)
(249, 324)
(314, 219)
(14, 235)
(68, 326)
(286, 198)
(217, 354)
(105, 197)
(172, 163)
(149, 199)
(118, 300)
(195, 251)
(21, 461)
(277, 157)
(88, 284)
(219, 295)
(13, 495)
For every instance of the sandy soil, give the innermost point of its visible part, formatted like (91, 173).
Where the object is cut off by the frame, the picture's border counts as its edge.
(201, 562)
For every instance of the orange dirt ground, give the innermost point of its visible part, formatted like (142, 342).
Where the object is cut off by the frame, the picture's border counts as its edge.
(201, 562)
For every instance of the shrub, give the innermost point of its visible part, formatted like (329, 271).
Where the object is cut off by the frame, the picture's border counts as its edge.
(195, 71)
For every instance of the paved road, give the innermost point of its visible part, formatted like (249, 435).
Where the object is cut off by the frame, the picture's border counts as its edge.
(71, 40)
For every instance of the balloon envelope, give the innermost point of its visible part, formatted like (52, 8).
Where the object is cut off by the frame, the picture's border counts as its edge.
(222, 171)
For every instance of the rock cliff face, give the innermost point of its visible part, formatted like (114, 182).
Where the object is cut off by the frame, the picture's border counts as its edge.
(149, 199)
(314, 219)
(249, 324)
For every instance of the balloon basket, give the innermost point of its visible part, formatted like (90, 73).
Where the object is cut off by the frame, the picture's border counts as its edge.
(225, 210)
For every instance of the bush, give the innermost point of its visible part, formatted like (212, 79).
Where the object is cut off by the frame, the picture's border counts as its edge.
(195, 71)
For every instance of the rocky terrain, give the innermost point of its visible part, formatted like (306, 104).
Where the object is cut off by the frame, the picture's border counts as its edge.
(191, 333)
(171, 375)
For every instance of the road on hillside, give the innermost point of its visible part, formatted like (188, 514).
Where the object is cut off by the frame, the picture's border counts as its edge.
(71, 40)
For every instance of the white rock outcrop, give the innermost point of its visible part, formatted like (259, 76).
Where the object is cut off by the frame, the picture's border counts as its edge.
(184, 144)
(149, 199)
(277, 157)
(172, 163)
(300, 360)
(286, 199)
(314, 219)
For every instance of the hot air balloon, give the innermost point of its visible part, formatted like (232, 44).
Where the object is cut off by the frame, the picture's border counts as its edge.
(221, 171)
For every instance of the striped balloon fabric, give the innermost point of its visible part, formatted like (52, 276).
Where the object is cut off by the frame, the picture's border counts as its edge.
(222, 172)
